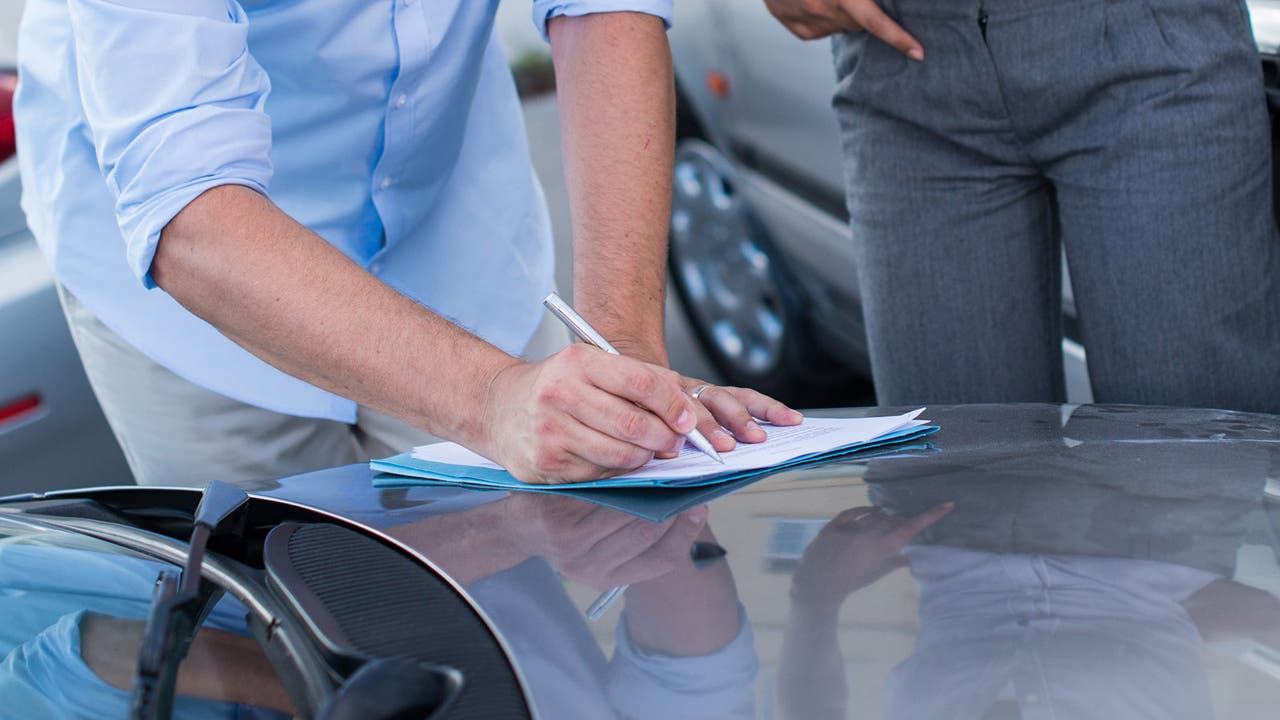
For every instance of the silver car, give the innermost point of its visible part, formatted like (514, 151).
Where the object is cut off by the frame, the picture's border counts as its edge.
(760, 248)
(52, 432)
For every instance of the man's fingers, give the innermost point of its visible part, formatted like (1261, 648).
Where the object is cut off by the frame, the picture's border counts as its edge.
(765, 407)
(573, 452)
(711, 428)
(607, 455)
(737, 409)
(596, 525)
(601, 559)
(729, 412)
(626, 421)
(872, 19)
(645, 385)
(669, 552)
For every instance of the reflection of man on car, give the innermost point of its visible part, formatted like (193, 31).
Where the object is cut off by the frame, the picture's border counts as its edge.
(69, 641)
(684, 648)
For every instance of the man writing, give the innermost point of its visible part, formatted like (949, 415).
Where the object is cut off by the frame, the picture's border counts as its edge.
(341, 189)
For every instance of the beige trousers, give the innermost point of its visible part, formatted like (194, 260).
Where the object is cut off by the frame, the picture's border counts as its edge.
(176, 433)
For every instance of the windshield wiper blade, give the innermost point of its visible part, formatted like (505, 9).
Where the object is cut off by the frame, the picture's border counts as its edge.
(180, 604)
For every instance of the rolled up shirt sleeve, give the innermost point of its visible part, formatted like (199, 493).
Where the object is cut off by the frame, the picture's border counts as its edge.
(544, 10)
(720, 685)
(174, 102)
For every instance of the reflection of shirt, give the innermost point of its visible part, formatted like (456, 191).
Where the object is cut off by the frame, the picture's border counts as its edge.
(389, 127)
(1063, 636)
(42, 674)
(569, 676)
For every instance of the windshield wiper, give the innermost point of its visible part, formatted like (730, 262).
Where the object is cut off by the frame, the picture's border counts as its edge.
(179, 605)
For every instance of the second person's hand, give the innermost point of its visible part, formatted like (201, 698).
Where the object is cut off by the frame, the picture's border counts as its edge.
(812, 19)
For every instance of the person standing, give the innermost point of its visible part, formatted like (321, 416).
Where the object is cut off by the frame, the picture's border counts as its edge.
(981, 136)
(294, 235)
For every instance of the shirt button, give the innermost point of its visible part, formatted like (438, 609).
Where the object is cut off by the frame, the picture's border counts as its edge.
(407, 2)
(386, 183)
(400, 101)
(375, 268)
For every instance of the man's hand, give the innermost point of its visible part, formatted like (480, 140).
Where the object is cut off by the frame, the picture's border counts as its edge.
(812, 19)
(858, 547)
(595, 545)
(583, 414)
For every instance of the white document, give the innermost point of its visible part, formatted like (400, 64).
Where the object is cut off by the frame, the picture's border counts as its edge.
(813, 435)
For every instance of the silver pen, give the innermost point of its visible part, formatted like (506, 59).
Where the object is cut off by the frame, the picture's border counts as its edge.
(582, 329)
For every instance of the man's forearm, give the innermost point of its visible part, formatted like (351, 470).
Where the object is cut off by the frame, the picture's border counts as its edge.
(283, 293)
(686, 612)
(468, 545)
(617, 120)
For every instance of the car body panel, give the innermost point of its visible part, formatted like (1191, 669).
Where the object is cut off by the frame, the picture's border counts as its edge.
(779, 104)
(1141, 530)
(1265, 16)
(777, 126)
(1168, 489)
(67, 436)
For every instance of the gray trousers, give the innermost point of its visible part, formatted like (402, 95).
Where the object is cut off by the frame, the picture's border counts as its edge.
(1131, 133)
(176, 433)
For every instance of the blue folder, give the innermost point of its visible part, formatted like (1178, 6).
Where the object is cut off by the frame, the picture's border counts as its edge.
(404, 469)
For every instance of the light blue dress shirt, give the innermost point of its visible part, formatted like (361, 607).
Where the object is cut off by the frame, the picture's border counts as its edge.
(389, 127)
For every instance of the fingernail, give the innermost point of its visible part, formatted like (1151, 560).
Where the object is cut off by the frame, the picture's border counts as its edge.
(696, 516)
(722, 436)
(916, 54)
(796, 415)
(686, 421)
(751, 425)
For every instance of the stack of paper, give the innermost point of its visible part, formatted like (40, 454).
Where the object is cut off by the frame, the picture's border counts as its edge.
(814, 439)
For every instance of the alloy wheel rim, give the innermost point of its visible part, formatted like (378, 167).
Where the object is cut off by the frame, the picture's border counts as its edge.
(719, 256)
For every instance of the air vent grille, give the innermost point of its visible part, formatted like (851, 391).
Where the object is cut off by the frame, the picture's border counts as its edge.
(384, 604)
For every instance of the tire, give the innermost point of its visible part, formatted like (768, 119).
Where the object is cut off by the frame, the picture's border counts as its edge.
(746, 309)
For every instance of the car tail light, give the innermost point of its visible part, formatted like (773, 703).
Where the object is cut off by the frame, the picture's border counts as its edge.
(8, 144)
(13, 411)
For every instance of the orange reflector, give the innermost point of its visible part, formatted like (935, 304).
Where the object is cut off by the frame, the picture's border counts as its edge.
(718, 83)
(18, 409)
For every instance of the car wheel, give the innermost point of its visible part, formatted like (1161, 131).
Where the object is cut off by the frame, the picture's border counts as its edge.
(746, 309)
